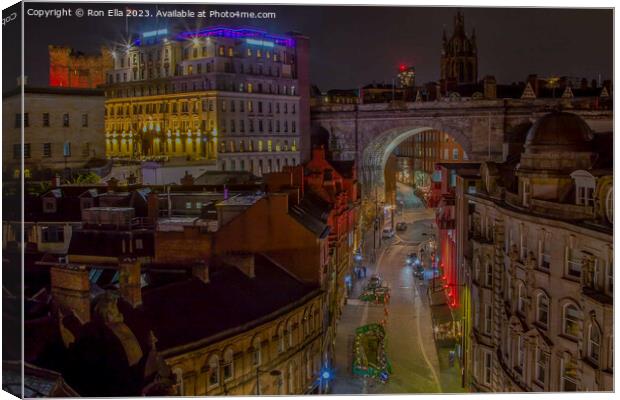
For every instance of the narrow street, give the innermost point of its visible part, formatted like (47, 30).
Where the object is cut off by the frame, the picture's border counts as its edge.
(410, 345)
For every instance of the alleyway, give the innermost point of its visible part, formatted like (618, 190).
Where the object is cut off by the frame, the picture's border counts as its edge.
(410, 346)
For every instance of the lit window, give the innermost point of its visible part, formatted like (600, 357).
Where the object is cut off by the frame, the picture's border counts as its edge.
(571, 321)
(228, 365)
(569, 375)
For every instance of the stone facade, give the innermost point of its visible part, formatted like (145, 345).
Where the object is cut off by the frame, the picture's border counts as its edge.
(240, 97)
(541, 265)
(62, 129)
(72, 69)
(370, 132)
(287, 351)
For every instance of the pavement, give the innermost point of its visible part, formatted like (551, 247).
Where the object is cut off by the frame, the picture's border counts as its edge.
(416, 363)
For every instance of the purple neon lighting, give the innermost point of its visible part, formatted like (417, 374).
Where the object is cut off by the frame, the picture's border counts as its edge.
(238, 33)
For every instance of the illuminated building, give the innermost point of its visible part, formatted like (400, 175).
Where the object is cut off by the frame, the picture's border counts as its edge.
(73, 69)
(459, 57)
(541, 262)
(420, 153)
(62, 130)
(236, 97)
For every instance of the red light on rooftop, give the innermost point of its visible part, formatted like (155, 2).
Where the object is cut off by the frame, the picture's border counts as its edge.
(402, 67)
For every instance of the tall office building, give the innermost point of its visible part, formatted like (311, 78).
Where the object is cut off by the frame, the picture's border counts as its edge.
(238, 98)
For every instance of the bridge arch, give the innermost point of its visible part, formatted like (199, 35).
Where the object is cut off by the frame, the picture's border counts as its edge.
(375, 154)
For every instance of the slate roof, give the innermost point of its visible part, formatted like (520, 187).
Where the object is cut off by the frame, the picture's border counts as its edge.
(190, 310)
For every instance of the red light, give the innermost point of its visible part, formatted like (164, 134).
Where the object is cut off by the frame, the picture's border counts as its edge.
(402, 67)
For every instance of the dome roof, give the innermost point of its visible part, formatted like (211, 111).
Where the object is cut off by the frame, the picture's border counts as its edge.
(560, 129)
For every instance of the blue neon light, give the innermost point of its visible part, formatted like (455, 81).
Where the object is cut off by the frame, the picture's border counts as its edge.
(239, 33)
(259, 42)
(160, 32)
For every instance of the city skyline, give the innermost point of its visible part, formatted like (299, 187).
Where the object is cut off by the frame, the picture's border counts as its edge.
(510, 56)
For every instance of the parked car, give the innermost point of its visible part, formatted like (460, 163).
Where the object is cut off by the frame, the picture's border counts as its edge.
(418, 272)
(387, 233)
(401, 226)
(375, 281)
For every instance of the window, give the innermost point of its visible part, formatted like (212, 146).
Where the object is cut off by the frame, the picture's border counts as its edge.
(542, 309)
(66, 149)
(46, 119)
(610, 278)
(178, 375)
(47, 149)
(544, 258)
(49, 205)
(18, 120)
(256, 351)
(571, 321)
(446, 154)
(526, 192)
(26, 120)
(214, 371)
(26, 150)
(569, 375)
(488, 275)
(289, 327)
(139, 244)
(52, 234)
(609, 205)
(281, 339)
(455, 154)
(17, 150)
(585, 195)
(228, 365)
(541, 365)
(573, 267)
(84, 120)
(488, 315)
(65, 120)
(521, 300)
(594, 343)
(520, 353)
(487, 368)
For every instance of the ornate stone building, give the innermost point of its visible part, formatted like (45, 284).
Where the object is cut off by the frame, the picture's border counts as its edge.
(541, 228)
(73, 69)
(239, 97)
(459, 56)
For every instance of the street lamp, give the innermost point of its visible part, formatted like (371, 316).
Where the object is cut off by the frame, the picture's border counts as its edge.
(273, 372)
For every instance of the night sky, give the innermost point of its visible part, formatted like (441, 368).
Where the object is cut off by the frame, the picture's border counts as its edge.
(353, 46)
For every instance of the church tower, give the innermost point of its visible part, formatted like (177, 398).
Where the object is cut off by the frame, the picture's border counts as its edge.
(459, 56)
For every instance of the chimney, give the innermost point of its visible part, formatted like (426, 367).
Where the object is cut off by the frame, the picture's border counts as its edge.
(152, 205)
(187, 179)
(129, 281)
(200, 270)
(71, 289)
(112, 183)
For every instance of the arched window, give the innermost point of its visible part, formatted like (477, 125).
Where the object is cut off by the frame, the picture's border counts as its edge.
(594, 343)
(542, 309)
(571, 320)
(568, 375)
(609, 205)
(229, 366)
(256, 351)
(214, 371)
